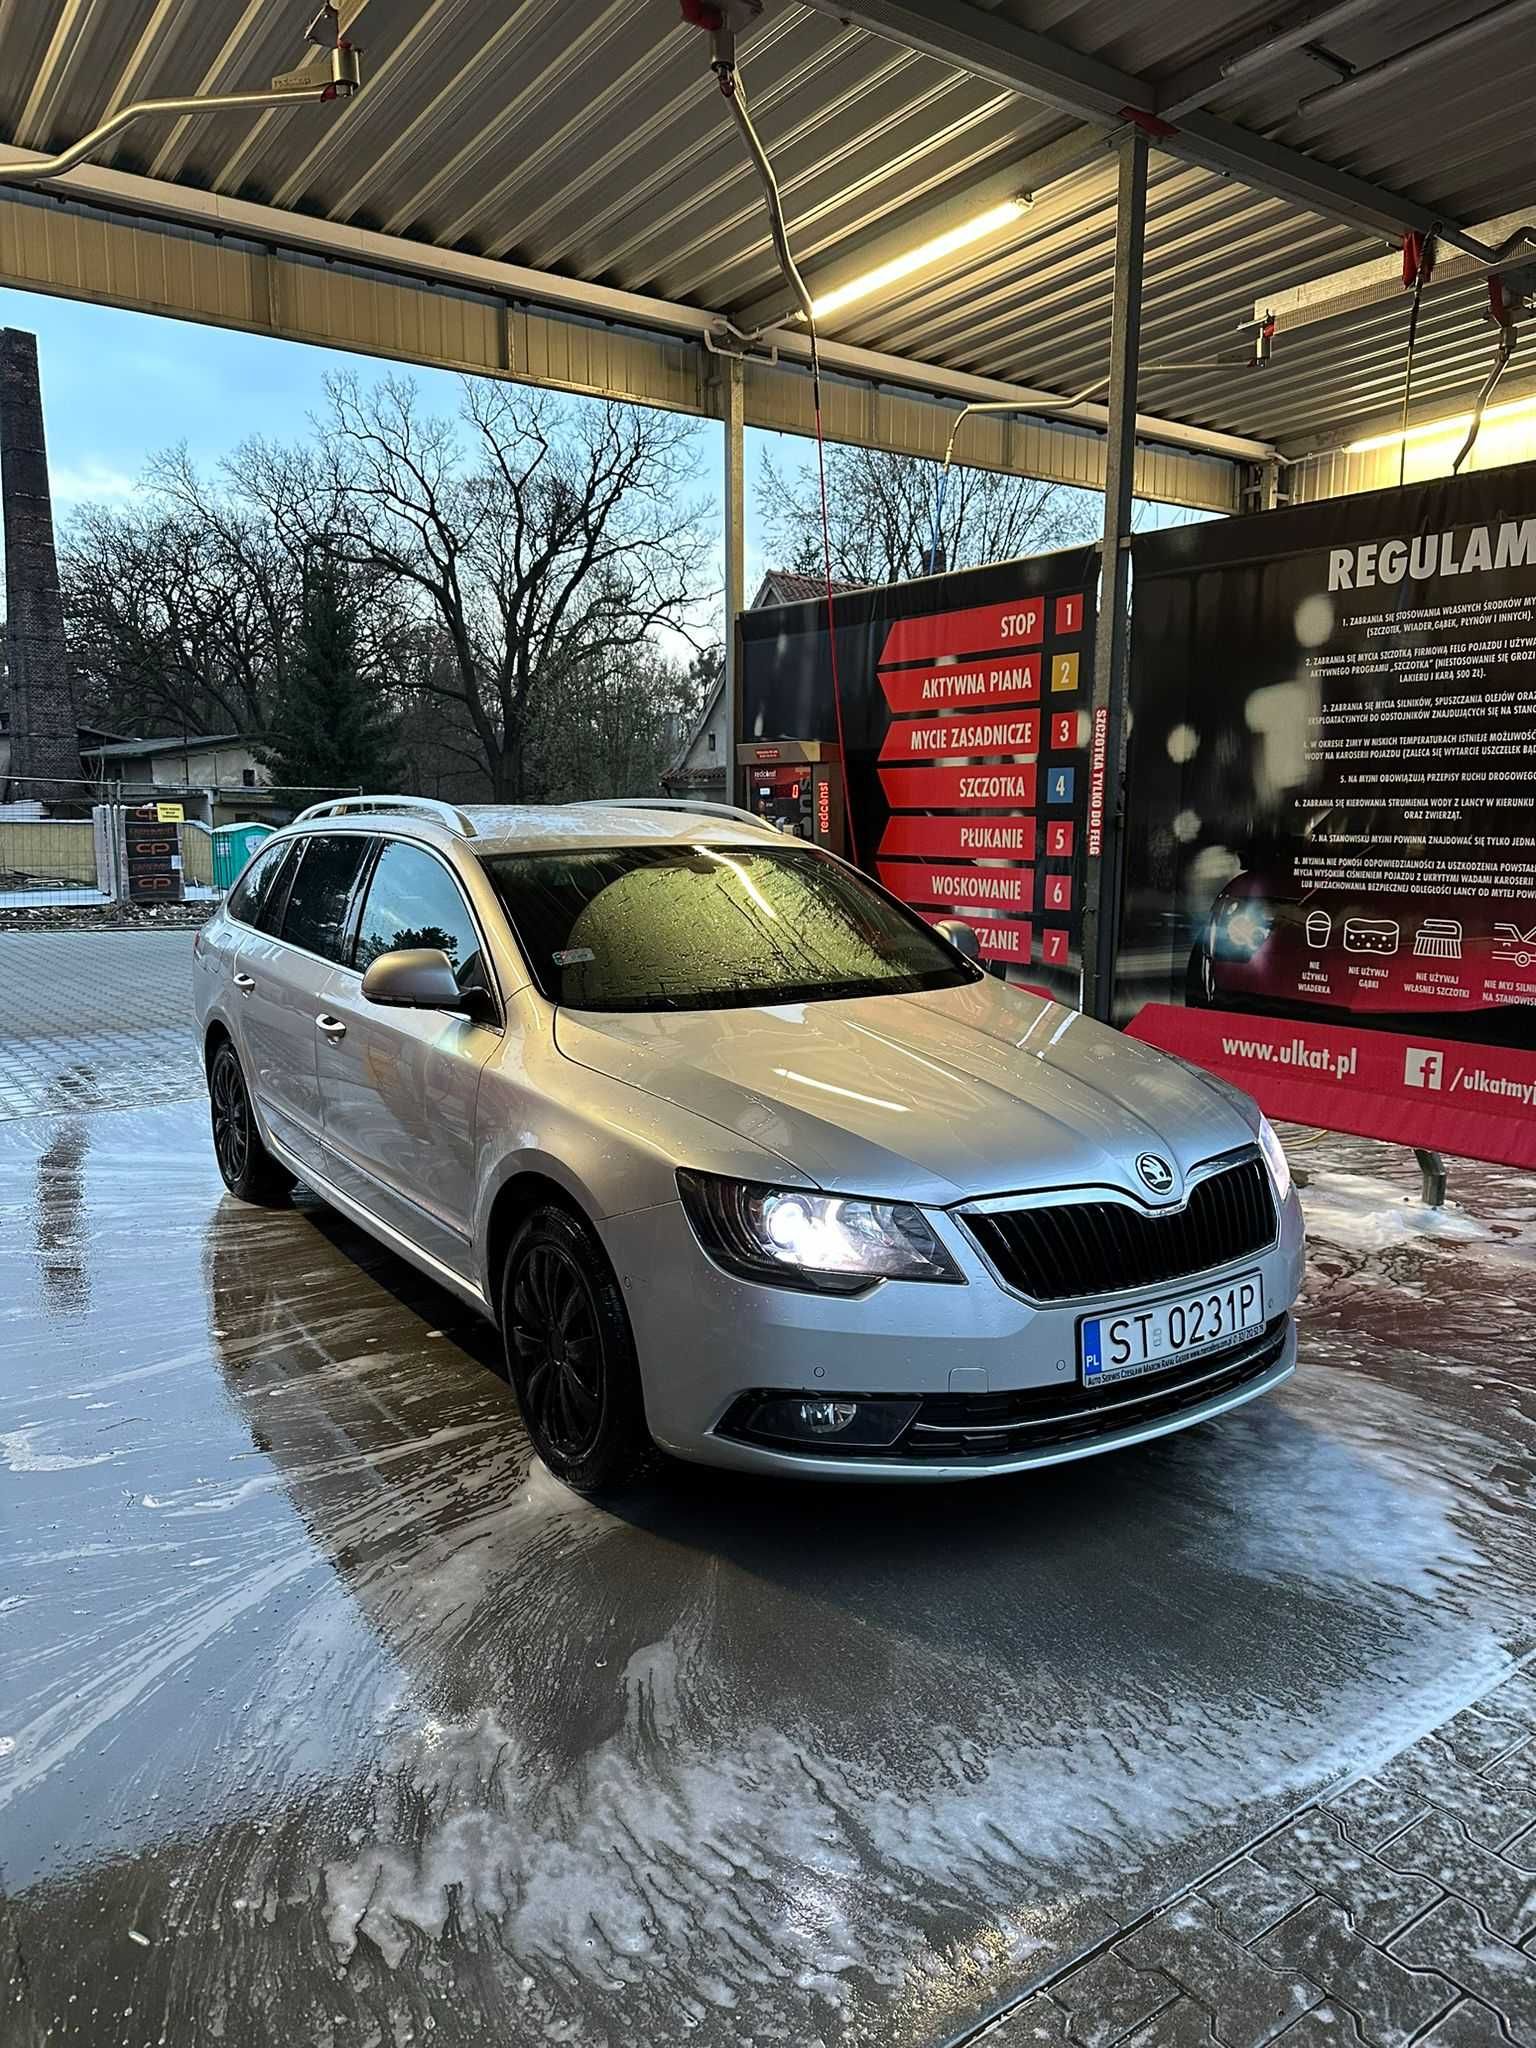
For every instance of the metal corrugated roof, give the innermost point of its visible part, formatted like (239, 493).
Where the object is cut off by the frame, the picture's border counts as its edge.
(588, 140)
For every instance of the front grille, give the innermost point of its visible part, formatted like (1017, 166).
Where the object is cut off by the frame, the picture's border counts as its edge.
(950, 1426)
(1068, 1250)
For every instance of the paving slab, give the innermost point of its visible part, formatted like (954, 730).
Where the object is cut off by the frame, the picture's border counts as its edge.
(95, 1020)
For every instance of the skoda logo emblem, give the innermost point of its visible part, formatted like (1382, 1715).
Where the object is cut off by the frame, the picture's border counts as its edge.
(1157, 1173)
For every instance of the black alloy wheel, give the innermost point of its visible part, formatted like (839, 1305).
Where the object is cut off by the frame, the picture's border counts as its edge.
(570, 1354)
(247, 1167)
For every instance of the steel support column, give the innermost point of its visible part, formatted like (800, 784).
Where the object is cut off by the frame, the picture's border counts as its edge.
(1111, 665)
(734, 417)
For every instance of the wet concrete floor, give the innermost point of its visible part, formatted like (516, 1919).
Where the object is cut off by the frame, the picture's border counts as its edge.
(327, 1717)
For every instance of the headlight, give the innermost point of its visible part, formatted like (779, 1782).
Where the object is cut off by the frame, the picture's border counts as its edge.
(826, 1244)
(1240, 926)
(1274, 1155)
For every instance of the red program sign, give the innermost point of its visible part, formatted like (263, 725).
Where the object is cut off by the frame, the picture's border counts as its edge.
(967, 888)
(962, 732)
(986, 682)
(977, 630)
(1007, 787)
(960, 838)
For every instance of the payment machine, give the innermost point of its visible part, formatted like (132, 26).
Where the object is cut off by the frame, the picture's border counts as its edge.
(796, 785)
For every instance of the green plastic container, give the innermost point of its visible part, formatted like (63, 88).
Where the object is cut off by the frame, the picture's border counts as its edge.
(233, 846)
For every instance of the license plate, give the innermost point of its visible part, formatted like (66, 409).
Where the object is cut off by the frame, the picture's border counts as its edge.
(1161, 1334)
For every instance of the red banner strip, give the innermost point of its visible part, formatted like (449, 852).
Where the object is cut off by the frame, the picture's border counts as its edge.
(1009, 786)
(1018, 623)
(962, 732)
(966, 886)
(1445, 1094)
(937, 689)
(960, 838)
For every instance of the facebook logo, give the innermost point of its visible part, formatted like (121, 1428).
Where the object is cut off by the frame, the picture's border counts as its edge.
(1423, 1068)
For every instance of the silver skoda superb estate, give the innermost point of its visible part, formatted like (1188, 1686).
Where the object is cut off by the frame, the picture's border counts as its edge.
(746, 1160)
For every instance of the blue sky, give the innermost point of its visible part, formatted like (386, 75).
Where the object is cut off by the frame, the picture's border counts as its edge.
(117, 387)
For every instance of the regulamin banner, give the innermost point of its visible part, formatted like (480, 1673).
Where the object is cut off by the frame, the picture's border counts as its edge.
(965, 716)
(1330, 843)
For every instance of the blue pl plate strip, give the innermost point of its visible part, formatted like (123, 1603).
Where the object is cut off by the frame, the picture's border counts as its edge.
(1093, 1361)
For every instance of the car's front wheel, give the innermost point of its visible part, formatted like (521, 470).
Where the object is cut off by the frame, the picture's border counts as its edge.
(571, 1356)
(248, 1168)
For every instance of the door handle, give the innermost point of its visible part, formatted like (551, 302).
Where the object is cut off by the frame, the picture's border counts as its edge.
(245, 983)
(331, 1026)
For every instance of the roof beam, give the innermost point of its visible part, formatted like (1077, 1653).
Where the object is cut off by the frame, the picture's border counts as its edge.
(992, 47)
(961, 200)
(1377, 281)
(956, 32)
(121, 192)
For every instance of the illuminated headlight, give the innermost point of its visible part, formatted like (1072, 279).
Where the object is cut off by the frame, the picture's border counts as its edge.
(1274, 1157)
(1240, 927)
(791, 1237)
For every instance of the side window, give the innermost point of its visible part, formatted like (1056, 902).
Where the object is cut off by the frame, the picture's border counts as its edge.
(414, 901)
(269, 918)
(321, 893)
(250, 893)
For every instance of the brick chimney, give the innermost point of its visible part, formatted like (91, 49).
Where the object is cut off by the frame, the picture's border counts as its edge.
(42, 715)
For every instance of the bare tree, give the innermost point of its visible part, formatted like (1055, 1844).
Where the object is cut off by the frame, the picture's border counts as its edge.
(531, 538)
(880, 510)
(620, 721)
(169, 631)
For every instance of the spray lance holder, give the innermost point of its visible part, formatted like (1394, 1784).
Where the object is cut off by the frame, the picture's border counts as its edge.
(722, 21)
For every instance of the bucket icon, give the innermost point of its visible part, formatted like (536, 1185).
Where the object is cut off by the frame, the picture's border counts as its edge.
(1319, 929)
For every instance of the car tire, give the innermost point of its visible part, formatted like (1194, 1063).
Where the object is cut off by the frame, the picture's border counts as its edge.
(571, 1355)
(247, 1167)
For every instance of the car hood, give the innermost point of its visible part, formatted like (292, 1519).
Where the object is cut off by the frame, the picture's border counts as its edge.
(960, 1092)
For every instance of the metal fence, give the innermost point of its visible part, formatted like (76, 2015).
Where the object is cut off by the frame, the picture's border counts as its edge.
(49, 846)
(66, 845)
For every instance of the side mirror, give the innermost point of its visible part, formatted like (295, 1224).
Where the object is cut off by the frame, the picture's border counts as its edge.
(414, 978)
(959, 934)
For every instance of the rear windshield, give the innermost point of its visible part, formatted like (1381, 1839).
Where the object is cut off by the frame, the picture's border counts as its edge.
(704, 928)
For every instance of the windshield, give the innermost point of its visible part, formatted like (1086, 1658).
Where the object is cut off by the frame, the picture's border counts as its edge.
(705, 927)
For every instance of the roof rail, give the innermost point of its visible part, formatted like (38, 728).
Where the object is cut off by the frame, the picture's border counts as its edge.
(392, 806)
(700, 805)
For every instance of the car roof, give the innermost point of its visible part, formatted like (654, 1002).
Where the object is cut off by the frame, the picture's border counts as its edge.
(532, 828)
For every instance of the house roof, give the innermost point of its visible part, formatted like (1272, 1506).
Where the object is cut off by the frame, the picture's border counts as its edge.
(191, 743)
(787, 586)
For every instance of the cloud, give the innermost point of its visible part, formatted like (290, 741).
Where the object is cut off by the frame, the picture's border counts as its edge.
(90, 482)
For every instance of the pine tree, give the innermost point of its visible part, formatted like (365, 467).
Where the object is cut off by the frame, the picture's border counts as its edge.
(328, 728)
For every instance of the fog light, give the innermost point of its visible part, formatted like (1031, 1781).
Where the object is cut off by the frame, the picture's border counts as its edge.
(836, 1420)
(825, 1418)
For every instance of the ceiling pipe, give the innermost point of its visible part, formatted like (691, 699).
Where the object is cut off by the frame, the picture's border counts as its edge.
(1404, 62)
(335, 75)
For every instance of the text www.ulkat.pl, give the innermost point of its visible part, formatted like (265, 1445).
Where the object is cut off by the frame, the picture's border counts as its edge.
(1296, 1054)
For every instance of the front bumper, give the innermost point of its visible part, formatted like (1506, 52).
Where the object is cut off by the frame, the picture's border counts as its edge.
(705, 1339)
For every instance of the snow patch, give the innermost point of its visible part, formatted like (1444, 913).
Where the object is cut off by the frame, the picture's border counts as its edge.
(1368, 1214)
